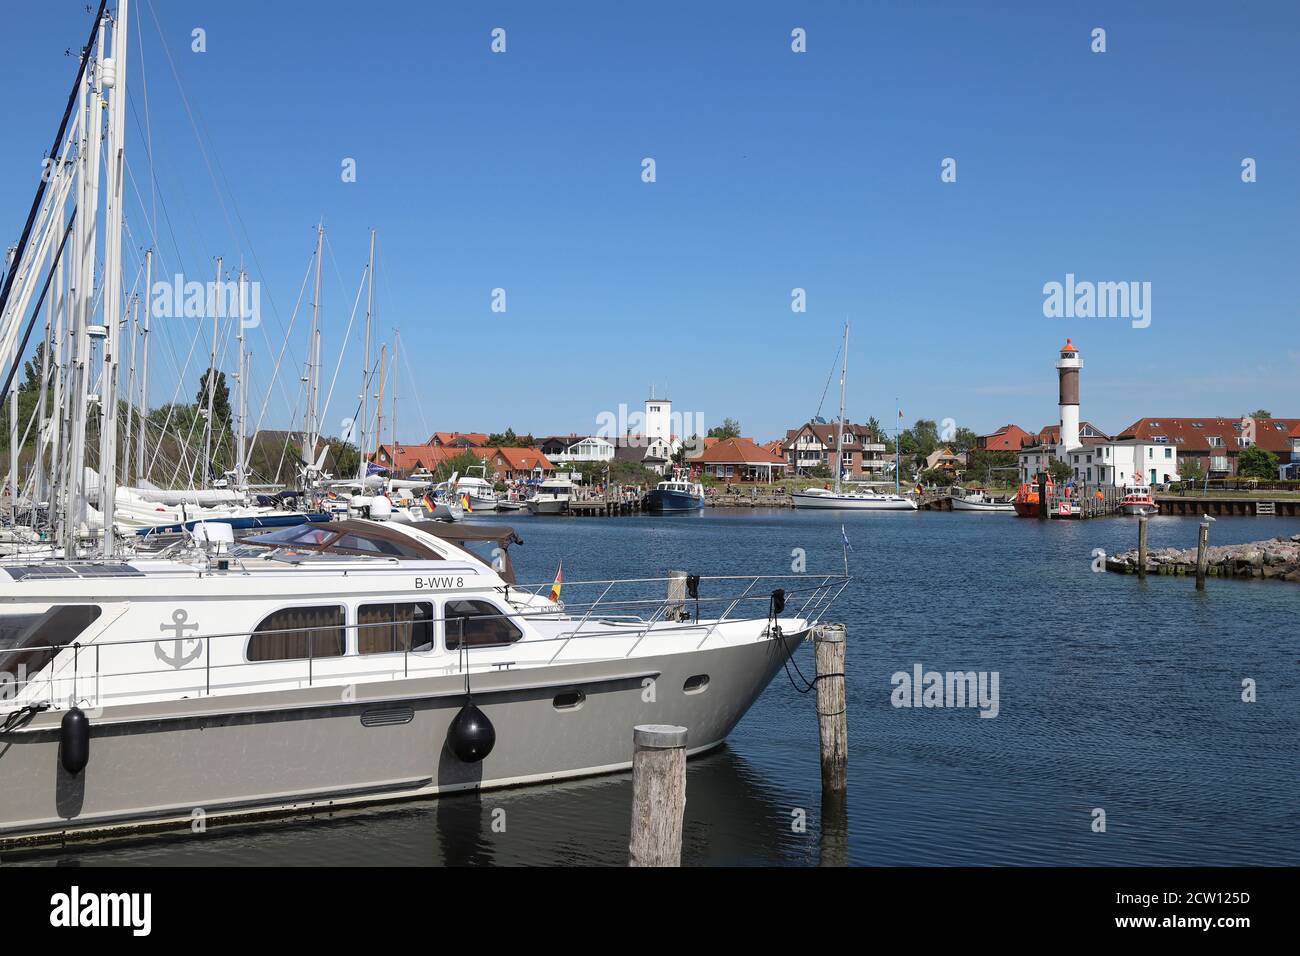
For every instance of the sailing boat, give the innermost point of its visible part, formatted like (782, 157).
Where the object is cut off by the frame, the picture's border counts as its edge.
(836, 497)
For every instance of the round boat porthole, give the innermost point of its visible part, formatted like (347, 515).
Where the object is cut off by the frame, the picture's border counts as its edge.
(696, 685)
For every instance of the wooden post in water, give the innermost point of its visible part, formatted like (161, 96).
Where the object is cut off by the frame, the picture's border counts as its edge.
(1043, 503)
(1142, 546)
(832, 720)
(676, 595)
(1202, 554)
(658, 795)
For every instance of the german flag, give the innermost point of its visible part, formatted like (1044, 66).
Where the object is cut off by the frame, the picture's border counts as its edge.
(464, 503)
(428, 504)
(559, 583)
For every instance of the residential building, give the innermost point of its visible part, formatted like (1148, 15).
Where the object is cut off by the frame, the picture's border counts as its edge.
(1290, 469)
(1124, 463)
(1006, 438)
(945, 459)
(737, 460)
(402, 460)
(588, 448)
(1213, 444)
(813, 444)
(515, 464)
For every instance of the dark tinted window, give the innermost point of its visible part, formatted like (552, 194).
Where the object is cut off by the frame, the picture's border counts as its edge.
(28, 641)
(480, 623)
(385, 628)
(297, 633)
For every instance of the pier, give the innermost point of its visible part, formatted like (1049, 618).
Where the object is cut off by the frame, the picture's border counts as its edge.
(1228, 507)
(611, 504)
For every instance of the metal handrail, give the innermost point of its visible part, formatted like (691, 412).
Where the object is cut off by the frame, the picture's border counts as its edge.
(819, 599)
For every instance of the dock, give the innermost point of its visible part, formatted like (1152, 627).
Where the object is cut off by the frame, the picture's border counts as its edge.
(1228, 507)
(607, 506)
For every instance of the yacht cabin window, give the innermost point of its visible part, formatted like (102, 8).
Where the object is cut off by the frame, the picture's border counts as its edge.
(479, 623)
(29, 641)
(391, 628)
(297, 633)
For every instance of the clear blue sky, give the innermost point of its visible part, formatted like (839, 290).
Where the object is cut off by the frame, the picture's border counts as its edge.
(775, 170)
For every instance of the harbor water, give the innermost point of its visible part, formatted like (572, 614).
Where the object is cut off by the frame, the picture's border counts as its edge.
(1113, 695)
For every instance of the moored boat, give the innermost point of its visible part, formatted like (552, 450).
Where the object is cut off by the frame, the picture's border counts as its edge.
(552, 497)
(676, 494)
(1137, 500)
(980, 502)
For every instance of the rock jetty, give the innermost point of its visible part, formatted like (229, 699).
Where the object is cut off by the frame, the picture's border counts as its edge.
(1277, 559)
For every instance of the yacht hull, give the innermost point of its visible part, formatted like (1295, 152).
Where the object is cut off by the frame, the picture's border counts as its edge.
(550, 506)
(988, 507)
(661, 501)
(202, 762)
(854, 503)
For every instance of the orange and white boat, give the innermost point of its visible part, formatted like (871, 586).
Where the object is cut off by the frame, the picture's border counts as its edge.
(1026, 501)
(1138, 501)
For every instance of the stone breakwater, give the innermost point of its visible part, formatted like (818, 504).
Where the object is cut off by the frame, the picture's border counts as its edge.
(1278, 558)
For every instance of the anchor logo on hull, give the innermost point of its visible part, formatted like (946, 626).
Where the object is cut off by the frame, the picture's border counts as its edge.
(178, 627)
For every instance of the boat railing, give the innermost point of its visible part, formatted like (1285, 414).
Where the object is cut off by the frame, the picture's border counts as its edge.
(78, 676)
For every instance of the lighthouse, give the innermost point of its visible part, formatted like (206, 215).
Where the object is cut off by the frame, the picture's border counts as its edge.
(1067, 369)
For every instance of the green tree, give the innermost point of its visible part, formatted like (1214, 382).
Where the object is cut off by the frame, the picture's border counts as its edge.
(964, 440)
(508, 439)
(1189, 469)
(1060, 470)
(220, 398)
(1256, 462)
(873, 424)
(1261, 413)
(730, 428)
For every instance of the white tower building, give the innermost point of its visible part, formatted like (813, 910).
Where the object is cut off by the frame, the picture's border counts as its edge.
(1067, 369)
(658, 418)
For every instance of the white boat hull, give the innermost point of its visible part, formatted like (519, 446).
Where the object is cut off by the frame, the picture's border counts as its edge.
(988, 507)
(853, 502)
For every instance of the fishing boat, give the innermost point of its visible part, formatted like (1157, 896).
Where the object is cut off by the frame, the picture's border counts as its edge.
(836, 497)
(552, 497)
(1137, 500)
(350, 662)
(676, 494)
(980, 502)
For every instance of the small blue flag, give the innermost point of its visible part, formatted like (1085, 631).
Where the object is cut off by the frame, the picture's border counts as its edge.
(845, 536)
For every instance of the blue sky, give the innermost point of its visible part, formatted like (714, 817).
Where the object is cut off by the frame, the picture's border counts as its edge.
(775, 170)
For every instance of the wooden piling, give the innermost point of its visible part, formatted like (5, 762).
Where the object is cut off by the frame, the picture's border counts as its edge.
(676, 595)
(658, 795)
(832, 719)
(1202, 554)
(1043, 503)
(1142, 546)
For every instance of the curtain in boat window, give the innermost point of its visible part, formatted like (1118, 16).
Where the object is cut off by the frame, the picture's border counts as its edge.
(386, 628)
(296, 633)
(480, 623)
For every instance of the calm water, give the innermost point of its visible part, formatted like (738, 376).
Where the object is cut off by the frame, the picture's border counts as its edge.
(1113, 694)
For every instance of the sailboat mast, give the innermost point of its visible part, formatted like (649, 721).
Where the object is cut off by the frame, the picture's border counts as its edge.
(362, 444)
(313, 357)
(839, 429)
(241, 380)
(215, 303)
(143, 413)
(379, 408)
(83, 292)
(114, 168)
(898, 442)
(397, 341)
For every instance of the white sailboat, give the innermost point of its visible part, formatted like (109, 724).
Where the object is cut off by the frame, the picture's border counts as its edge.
(837, 498)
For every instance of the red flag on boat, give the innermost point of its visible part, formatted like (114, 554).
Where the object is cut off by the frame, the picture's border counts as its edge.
(559, 583)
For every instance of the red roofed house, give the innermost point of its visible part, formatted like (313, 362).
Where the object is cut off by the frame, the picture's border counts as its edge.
(1006, 438)
(733, 460)
(813, 443)
(401, 460)
(515, 464)
(1214, 443)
